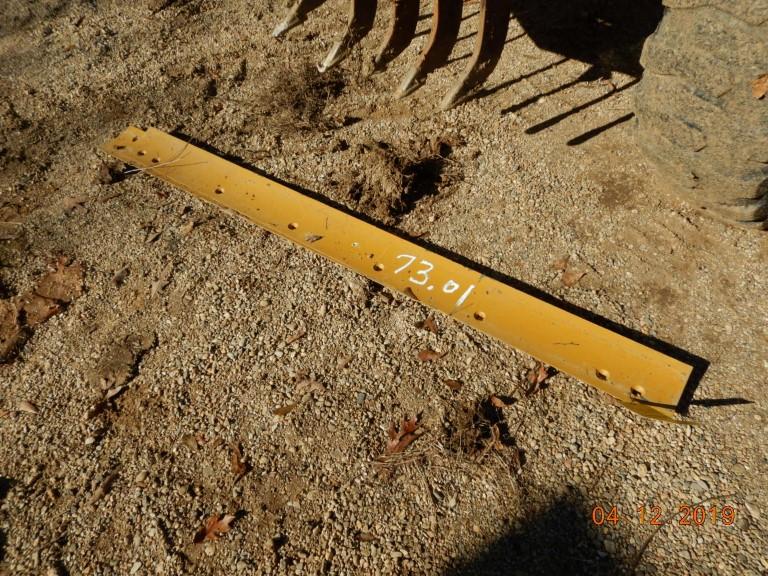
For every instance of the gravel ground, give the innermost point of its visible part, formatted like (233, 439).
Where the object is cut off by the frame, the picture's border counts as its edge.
(209, 368)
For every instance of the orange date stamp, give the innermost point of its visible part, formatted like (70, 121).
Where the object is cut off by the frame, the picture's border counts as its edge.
(686, 515)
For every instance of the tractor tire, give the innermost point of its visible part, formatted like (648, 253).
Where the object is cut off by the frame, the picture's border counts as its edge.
(700, 115)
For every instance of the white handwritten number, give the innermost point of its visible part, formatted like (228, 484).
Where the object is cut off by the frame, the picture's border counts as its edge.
(450, 287)
(404, 266)
(463, 297)
(424, 273)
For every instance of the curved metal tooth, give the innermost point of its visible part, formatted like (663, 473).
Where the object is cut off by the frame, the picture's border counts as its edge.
(296, 16)
(402, 28)
(446, 18)
(494, 23)
(361, 16)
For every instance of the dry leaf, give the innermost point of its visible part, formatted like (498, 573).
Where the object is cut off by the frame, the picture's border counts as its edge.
(27, 406)
(366, 537)
(561, 263)
(760, 86)
(536, 377)
(300, 333)
(213, 528)
(308, 386)
(284, 410)
(571, 277)
(500, 401)
(162, 280)
(400, 439)
(454, 385)
(409, 292)
(190, 441)
(428, 324)
(239, 467)
(186, 228)
(114, 391)
(64, 283)
(37, 309)
(72, 202)
(428, 355)
(103, 488)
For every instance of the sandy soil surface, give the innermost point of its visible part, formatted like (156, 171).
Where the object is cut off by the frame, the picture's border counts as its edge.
(208, 368)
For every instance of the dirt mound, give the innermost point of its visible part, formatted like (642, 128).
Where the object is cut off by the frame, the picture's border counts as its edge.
(294, 96)
(394, 179)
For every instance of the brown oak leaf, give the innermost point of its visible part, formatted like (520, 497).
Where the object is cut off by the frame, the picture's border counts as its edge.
(213, 528)
(239, 466)
(428, 355)
(428, 324)
(284, 410)
(536, 378)
(571, 277)
(300, 333)
(454, 385)
(64, 283)
(400, 438)
(760, 86)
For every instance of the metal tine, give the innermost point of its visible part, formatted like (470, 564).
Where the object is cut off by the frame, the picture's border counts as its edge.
(296, 15)
(402, 28)
(361, 17)
(494, 23)
(446, 18)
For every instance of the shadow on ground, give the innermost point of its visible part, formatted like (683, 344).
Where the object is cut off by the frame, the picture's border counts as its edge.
(607, 35)
(5, 486)
(559, 540)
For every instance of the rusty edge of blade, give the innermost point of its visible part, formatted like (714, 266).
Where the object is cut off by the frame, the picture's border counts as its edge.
(641, 378)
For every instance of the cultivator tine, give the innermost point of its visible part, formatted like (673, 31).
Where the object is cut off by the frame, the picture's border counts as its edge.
(402, 27)
(296, 16)
(494, 23)
(446, 18)
(361, 16)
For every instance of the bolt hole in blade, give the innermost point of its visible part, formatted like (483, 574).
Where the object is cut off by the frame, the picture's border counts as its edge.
(296, 15)
(494, 23)
(361, 17)
(446, 19)
(402, 28)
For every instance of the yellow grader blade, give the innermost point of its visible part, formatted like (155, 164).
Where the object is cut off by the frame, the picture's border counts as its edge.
(446, 20)
(642, 378)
